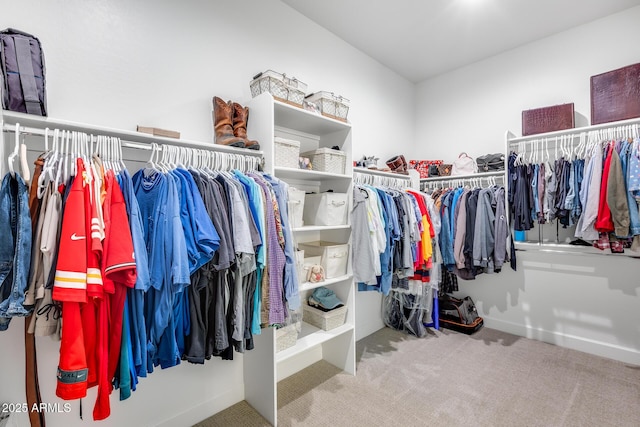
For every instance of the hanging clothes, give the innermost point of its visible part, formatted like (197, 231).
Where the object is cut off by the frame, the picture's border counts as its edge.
(593, 192)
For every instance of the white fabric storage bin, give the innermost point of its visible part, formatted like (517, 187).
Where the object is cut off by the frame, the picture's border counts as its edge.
(287, 152)
(310, 261)
(296, 207)
(334, 257)
(325, 209)
(300, 265)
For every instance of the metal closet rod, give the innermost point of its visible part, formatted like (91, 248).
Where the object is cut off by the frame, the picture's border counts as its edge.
(28, 130)
(470, 175)
(577, 131)
(379, 178)
(453, 181)
(41, 132)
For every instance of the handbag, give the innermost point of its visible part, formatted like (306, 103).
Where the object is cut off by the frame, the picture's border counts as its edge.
(464, 165)
(491, 162)
(398, 164)
(444, 169)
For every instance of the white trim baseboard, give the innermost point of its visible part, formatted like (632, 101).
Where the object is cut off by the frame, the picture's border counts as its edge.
(205, 409)
(586, 345)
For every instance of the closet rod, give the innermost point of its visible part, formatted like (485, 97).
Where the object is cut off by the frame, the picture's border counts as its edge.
(467, 176)
(8, 119)
(384, 179)
(40, 132)
(456, 181)
(380, 173)
(601, 126)
(128, 144)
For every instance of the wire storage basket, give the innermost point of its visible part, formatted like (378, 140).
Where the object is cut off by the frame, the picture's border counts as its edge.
(330, 104)
(283, 88)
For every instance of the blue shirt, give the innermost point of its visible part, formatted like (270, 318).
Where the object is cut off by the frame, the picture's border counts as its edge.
(136, 332)
(195, 219)
(281, 189)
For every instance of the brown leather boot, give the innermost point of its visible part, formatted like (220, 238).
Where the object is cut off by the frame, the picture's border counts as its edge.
(240, 120)
(222, 124)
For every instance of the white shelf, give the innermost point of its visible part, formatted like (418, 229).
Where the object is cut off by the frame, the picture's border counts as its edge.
(307, 286)
(565, 248)
(31, 121)
(293, 173)
(309, 228)
(270, 117)
(385, 174)
(467, 176)
(292, 117)
(309, 337)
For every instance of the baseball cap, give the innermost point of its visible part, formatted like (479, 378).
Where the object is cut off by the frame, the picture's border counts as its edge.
(326, 298)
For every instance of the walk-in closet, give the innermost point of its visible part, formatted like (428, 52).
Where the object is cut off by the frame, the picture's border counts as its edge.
(299, 213)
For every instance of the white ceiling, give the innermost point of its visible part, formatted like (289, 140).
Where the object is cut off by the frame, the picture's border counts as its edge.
(422, 38)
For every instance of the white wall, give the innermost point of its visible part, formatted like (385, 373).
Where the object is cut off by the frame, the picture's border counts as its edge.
(119, 63)
(584, 302)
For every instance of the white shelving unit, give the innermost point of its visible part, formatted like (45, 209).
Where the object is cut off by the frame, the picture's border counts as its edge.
(263, 366)
(551, 237)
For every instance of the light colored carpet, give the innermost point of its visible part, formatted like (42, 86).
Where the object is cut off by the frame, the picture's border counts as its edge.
(451, 379)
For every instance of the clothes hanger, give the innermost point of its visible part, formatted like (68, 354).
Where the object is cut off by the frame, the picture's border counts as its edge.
(47, 175)
(24, 163)
(123, 166)
(111, 154)
(16, 151)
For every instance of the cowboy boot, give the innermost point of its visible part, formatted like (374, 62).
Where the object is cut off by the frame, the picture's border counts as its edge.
(240, 119)
(222, 124)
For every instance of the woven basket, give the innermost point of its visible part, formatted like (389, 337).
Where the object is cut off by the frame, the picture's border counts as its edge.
(325, 320)
(287, 152)
(327, 160)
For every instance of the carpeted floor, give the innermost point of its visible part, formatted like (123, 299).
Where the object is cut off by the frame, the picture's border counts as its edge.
(450, 379)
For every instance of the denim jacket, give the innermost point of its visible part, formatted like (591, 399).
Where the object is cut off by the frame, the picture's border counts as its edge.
(15, 249)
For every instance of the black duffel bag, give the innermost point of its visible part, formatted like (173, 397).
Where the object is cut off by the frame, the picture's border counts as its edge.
(459, 314)
(490, 162)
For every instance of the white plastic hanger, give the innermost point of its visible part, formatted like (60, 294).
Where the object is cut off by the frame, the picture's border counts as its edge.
(16, 151)
(24, 164)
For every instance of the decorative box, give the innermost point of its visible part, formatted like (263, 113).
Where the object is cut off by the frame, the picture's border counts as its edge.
(334, 257)
(327, 160)
(547, 119)
(287, 152)
(325, 209)
(615, 95)
(330, 104)
(422, 166)
(283, 88)
(159, 132)
(325, 320)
